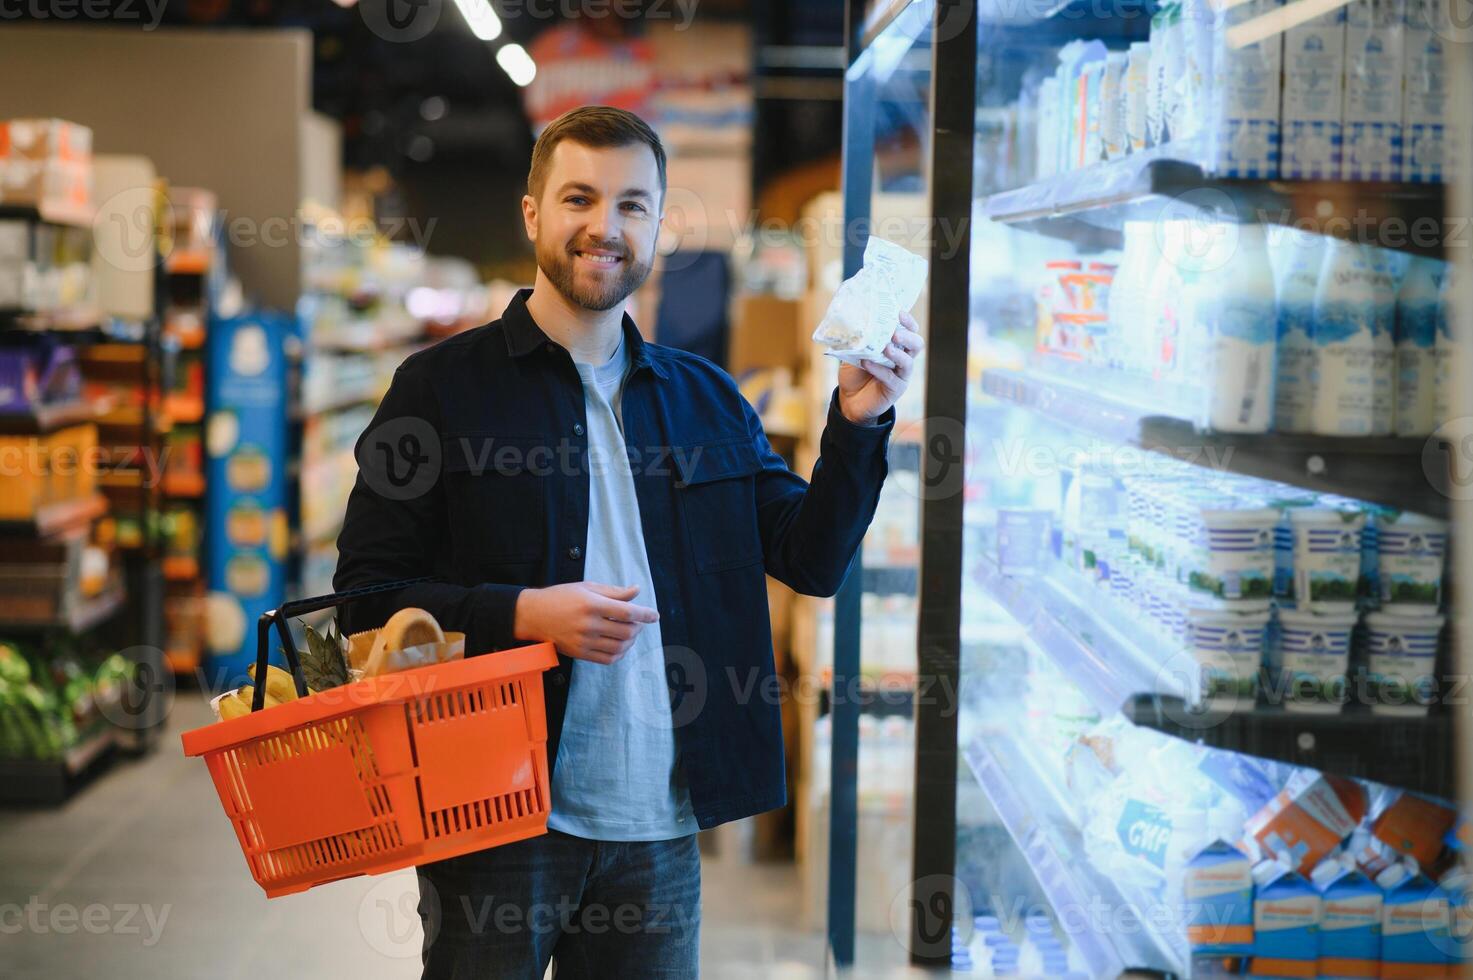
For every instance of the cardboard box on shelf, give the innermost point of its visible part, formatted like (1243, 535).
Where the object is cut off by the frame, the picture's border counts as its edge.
(766, 332)
(45, 139)
(59, 186)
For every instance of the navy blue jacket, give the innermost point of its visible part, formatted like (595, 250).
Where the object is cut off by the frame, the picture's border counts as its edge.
(474, 470)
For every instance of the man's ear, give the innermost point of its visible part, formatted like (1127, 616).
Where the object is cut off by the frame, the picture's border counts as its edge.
(529, 216)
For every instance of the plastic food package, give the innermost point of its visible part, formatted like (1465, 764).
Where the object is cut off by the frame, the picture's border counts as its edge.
(866, 308)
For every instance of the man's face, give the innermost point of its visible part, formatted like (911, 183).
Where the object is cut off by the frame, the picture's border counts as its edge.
(596, 222)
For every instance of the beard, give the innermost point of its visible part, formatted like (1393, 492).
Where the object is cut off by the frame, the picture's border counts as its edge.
(558, 263)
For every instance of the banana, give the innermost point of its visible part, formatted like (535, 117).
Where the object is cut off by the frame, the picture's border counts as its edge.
(279, 683)
(232, 707)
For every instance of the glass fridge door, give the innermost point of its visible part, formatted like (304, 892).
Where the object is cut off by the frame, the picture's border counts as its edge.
(887, 158)
(1206, 674)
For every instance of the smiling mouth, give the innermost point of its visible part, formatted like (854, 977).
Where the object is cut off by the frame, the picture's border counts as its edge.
(601, 261)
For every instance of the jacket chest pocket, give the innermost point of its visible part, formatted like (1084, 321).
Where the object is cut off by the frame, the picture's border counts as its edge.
(496, 490)
(716, 485)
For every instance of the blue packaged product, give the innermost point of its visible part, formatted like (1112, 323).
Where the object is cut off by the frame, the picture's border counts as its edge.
(1286, 915)
(1415, 941)
(1350, 921)
(1218, 894)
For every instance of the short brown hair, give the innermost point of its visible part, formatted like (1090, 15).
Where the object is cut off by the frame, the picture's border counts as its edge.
(592, 125)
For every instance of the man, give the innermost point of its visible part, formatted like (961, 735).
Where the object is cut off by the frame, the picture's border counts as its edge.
(567, 482)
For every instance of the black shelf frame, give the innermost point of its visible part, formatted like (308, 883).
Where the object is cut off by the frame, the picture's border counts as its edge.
(1409, 473)
(1089, 206)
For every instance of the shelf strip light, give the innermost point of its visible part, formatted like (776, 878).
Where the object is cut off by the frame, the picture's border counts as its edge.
(1276, 21)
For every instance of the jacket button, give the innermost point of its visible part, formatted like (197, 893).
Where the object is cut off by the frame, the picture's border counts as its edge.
(575, 552)
(578, 429)
(559, 679)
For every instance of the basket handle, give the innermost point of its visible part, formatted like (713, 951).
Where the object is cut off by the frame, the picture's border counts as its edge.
(295, 608)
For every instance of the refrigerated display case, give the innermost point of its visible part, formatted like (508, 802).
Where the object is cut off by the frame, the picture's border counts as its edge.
(1188, 462)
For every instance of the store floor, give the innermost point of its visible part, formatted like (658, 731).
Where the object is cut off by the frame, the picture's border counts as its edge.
(140, 876)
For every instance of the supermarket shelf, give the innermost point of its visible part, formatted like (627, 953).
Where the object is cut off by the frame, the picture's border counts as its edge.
(58, 517)
(51, 417)
(181, 568)
(184, 408)
(338, 401)
(1051, 843)
(188, 262)
(1089, 206)
(1390, 471)
(1119, 667)
(1415, 754)
(184, 485)
(1105, 655)
(86, 615)
(73, 321)
(50, 213)
(49, 783)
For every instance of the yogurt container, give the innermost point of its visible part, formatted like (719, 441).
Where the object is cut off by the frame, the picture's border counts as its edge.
(1403, 660)
(1327, 550)
(1314, 649)
(1411, 552)
(1233, 558)
(1228, 650)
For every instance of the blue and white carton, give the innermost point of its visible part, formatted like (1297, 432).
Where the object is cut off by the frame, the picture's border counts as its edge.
(1416, 943)
(1286, 919)
(1218, 900)
(1350, 921)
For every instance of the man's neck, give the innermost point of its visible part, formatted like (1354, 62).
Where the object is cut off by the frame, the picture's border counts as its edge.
(590, 336)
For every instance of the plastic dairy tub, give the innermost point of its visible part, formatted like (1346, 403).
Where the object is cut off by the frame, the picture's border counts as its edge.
(1228, 650)
(1327, 548)
(1403, 661)
(1314, 651)
(1233, 561)
(1411, 550)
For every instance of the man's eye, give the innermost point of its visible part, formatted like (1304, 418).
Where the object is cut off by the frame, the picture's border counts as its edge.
(633, 206)
(577, 200)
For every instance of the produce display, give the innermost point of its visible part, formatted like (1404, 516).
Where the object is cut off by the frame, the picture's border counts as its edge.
(51, 700)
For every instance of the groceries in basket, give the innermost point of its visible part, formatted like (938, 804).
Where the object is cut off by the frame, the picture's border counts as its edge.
(411, 638)
(866, 309)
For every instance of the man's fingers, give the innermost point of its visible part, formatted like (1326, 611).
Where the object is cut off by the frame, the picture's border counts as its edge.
(909, 341)
(619, 631)
(623, 593)
(903, 362)
(883, 374)
(626, 612)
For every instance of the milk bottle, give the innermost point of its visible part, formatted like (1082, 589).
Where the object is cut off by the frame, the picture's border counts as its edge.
(1418, 306)
(1300, 257)
(1444, 352)
(1387, 268)
(1233, 308)
(1344, 343)
(1164, 302)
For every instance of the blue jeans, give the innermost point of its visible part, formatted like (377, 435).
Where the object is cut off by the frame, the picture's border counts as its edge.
(594, 908)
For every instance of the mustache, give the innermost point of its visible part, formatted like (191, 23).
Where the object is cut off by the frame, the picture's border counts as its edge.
(618, 248)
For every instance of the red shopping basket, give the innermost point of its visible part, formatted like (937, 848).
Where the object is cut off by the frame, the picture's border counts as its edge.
(386, 773)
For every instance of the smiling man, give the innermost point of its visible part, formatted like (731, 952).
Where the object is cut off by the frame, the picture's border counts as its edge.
(568, 482)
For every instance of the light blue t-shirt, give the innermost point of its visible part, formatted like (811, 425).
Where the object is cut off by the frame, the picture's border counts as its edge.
(617, 776)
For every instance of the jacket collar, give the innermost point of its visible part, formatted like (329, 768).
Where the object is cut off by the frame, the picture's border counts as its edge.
(523, 335)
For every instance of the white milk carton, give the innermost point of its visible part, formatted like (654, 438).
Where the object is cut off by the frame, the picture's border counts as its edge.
(1374, 56)
(1241, 120)
(1314, 97)
(1424, 106)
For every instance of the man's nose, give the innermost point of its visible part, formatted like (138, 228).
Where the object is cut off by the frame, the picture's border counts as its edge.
(603, 223)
